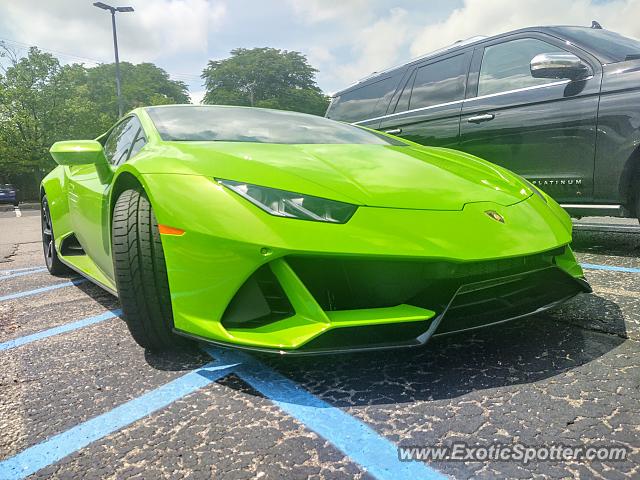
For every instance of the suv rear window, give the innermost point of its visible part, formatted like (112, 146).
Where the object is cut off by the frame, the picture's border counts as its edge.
(361, 103)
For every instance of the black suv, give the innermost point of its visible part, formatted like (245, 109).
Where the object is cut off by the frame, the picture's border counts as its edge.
(558, 105)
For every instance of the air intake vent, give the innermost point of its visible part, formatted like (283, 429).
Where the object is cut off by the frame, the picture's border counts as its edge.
(259, 301)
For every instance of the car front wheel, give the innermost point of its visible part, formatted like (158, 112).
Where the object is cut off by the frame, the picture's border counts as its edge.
(141, 273)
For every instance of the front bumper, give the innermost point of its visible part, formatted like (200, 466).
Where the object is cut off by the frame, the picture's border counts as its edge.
(303, 320)
(388, 278)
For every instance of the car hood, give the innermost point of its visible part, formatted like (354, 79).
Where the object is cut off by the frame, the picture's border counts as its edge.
(411, 177)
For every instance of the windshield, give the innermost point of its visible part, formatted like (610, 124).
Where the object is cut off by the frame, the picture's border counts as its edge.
(241, 124)
(613, 46)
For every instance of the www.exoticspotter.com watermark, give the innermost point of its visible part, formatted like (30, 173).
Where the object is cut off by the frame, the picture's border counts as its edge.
(516, 452)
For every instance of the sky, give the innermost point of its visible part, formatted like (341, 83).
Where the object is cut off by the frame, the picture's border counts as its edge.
(344, 39)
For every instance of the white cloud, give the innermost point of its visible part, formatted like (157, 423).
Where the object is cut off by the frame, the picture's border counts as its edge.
(155, 29)
(315, 11)
(490, 17)
(377, 46)
(197, 96)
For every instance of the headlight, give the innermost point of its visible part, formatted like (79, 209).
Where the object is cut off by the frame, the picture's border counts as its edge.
(282, 203)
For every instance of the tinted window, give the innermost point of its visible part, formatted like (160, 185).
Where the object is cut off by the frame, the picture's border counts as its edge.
(138, 143)
(439, 82)
(259, 125)
(507, 66)
(613, 45)
(403, 102)
(361, 103)
(117, 146)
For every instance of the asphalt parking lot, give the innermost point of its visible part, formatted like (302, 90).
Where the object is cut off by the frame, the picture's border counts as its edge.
(78, 399)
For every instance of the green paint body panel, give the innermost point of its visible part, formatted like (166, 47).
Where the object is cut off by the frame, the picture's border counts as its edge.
(415, 204)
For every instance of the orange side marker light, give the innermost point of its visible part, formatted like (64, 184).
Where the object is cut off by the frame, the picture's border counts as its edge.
(166, 230)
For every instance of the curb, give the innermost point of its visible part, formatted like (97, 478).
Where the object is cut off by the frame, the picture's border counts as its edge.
(21, 206)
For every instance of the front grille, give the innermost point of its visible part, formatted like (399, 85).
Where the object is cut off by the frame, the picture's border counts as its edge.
(475, 305)
(347, 283)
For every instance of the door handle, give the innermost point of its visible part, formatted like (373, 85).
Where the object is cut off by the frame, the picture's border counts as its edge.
(485, 117)
(394, 131)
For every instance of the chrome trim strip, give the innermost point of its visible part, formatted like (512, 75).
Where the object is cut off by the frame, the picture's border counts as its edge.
(472, 99)
(590, 206)
(409, 111)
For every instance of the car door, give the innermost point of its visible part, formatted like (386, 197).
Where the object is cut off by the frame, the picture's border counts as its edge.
(541, 128)
(88, 196)
(428, 109)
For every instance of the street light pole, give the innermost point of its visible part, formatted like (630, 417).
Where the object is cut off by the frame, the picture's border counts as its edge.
(115, 49)
(113, 11)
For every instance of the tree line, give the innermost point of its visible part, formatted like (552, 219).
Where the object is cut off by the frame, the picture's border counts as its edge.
(43, 101)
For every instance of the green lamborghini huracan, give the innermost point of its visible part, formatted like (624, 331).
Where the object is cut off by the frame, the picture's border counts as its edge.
(291, 233)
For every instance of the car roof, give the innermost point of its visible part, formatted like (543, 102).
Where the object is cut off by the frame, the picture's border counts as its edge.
(459, 45)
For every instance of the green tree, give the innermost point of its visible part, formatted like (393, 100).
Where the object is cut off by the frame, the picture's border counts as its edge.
(264, 77)
(42, 102)
(143, 84)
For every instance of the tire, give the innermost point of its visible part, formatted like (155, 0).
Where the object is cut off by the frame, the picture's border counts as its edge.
(141, 273)
(53, 263)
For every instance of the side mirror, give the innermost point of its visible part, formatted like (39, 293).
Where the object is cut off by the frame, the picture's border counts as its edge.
(82, 152)
(559, 65)
(77, 152)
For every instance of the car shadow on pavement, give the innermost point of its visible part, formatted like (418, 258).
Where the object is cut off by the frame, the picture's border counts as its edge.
(514, 353)
(179, 360)
(98, 294)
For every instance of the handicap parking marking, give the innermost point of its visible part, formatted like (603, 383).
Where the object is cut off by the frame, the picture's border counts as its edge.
(18, 342)
(24, 269)
(22, 274)
(63, 444)
(36, 291)
(363, 445)
(371, 451)
(612, 268)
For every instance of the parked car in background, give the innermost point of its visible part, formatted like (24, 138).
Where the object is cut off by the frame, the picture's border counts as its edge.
(558, 105)
(8, 194)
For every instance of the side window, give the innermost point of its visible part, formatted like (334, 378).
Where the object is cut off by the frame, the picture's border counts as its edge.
(506, 66)
(403, 102)
(138, 143)
(440, 82)
(360, 104)
(119, 143)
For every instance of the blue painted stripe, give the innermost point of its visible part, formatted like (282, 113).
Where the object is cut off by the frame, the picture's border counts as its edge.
(13, 270)
(59, 446)
(377, 455)
(17, 342)
(43, 289)
(594, 266)
(22, 274)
